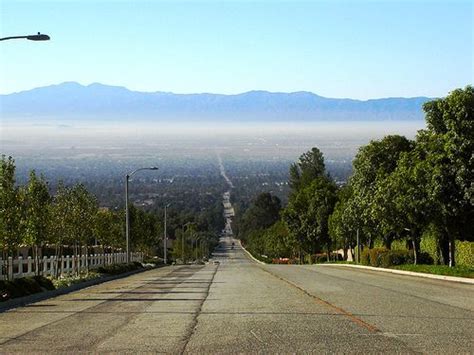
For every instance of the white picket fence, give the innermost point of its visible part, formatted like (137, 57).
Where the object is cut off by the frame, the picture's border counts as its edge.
(15, 268)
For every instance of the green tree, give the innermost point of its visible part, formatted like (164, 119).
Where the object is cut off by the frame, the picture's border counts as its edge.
(10, 207)
(308, 212)
(278, 242)
(343, 221)
(449, 144)
(262, 213)
(73, 213)
(109, 228)
(37, 218)
(372, 165)
(310, 165)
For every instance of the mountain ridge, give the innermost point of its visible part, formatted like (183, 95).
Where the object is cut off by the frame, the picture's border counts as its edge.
(71, 100)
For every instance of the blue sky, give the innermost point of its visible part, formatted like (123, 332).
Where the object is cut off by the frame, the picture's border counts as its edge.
(356, 49)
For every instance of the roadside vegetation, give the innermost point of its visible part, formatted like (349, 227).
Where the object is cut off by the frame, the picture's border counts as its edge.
(26, 286)
(410, 202)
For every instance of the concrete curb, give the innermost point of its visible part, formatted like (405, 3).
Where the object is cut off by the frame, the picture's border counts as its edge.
(464, 280)
(36, 297)
(251, 256)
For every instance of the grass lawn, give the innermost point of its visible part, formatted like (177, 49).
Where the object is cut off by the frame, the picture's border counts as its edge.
(460, 271)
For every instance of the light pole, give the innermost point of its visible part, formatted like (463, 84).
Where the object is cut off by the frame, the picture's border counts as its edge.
(127, 214)
(37, 37)
(165, 239)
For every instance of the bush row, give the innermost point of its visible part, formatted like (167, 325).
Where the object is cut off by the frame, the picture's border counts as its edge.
(29, 285)
(463, 250)
(24, 286)
(116, 269)
(383, 257)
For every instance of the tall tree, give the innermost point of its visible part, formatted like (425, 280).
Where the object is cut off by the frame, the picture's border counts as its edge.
(262, 213)
(309, 166)
(449, 143)
(10, 207)
(308, 212)
(343, 220)
(373, 163)
(37, 215)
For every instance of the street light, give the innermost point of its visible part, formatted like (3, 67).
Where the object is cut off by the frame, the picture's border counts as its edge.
(165, 238)
(37, 37)
(127, 216)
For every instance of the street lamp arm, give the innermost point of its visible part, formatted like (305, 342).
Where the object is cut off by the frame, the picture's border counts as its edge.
(37, 37)
(12, 37)
(137, 170)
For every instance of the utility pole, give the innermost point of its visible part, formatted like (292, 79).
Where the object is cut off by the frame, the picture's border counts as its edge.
(165, 239)
(182, 246)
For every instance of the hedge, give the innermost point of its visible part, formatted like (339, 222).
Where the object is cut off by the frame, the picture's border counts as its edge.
(464, 253)
(115, 269)
(399, 245)
(375, 255)
(395, 257)
(429, 244)
(383, 257)
(364, 256)
(24, 286)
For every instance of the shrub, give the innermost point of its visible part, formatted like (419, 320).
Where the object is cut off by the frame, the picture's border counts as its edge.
(464, 253)
(429, 244)
(321, 258)
(399, 245)
(29, 284)
(9, 289)
(364, 257)
(116, 269)
(375, 255)
(44, 282)
(23, 287)
(395, 257)
(424, 258)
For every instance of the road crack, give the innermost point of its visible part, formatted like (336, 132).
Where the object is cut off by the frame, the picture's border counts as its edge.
(194, 322)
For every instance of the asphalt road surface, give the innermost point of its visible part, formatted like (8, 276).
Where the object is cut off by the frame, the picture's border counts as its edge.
(241, 306)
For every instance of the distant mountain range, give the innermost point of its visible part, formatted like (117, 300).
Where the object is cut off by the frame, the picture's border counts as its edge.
(72, 101)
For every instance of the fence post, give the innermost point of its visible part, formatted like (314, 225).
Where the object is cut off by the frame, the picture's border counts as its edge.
(10, 268)
(45, 265)
(51, 265)
(29, 266)
(68, 264)
(20, 266)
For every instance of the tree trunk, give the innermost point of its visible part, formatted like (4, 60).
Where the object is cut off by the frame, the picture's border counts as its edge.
(344, 249)
(452, 261)
(415, 253)
(36, 259)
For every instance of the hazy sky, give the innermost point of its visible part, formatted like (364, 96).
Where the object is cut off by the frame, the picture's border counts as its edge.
(357, 49)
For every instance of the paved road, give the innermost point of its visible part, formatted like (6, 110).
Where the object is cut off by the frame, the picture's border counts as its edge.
(240, 306)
